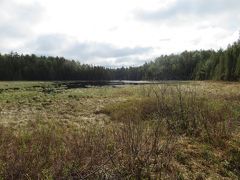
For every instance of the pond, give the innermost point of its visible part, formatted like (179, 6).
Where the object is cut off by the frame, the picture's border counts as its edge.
(115, 83)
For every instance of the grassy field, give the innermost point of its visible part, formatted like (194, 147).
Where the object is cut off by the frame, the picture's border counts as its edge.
(176, 130)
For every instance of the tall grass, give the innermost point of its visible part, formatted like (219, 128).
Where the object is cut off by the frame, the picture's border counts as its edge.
(187, 112)
(46, 150)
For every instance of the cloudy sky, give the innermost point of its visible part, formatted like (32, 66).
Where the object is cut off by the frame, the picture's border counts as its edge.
(116, 33)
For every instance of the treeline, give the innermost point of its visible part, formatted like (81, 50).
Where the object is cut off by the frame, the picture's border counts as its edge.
(31, 67)
(193, 65)
(221, 65)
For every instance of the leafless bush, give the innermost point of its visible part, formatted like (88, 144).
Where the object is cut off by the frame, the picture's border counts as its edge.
(130, 149)
(146, 150)
(141, 146)
(47, 150)
(185, 112)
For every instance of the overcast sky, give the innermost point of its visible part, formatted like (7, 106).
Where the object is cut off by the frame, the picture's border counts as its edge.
(116, 32)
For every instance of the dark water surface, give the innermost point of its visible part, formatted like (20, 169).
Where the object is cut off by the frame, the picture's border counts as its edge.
(61, 85)
(86, 84)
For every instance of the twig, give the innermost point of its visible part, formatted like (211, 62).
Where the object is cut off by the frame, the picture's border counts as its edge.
(100, 167)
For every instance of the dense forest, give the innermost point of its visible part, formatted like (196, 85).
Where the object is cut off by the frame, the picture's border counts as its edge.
(189, 65)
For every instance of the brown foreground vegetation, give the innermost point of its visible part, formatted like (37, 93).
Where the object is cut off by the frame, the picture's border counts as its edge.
(168, 131)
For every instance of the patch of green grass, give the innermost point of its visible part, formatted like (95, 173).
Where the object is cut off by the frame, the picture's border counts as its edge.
(134, 108)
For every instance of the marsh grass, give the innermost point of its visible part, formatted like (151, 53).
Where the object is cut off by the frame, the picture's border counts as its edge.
(152, 132)
(186, 112)
(47, 150)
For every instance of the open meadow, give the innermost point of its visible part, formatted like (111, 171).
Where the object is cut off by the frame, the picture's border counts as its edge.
(174, 130)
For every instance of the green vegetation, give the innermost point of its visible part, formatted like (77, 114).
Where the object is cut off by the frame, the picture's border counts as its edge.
(169, 131)
(193, 65)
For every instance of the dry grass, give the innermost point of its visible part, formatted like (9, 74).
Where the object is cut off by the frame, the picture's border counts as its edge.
(147, 132)
(47, 150)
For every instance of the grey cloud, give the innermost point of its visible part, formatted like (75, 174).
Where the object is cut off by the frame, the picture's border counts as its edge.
(8, 31)
(193, 7)
(114, 28)
(49, 44)
(165, 39)
(196, 41)
(129, 61)
(219, 11)
(17, 19)
(119, 61)
(87, 52)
